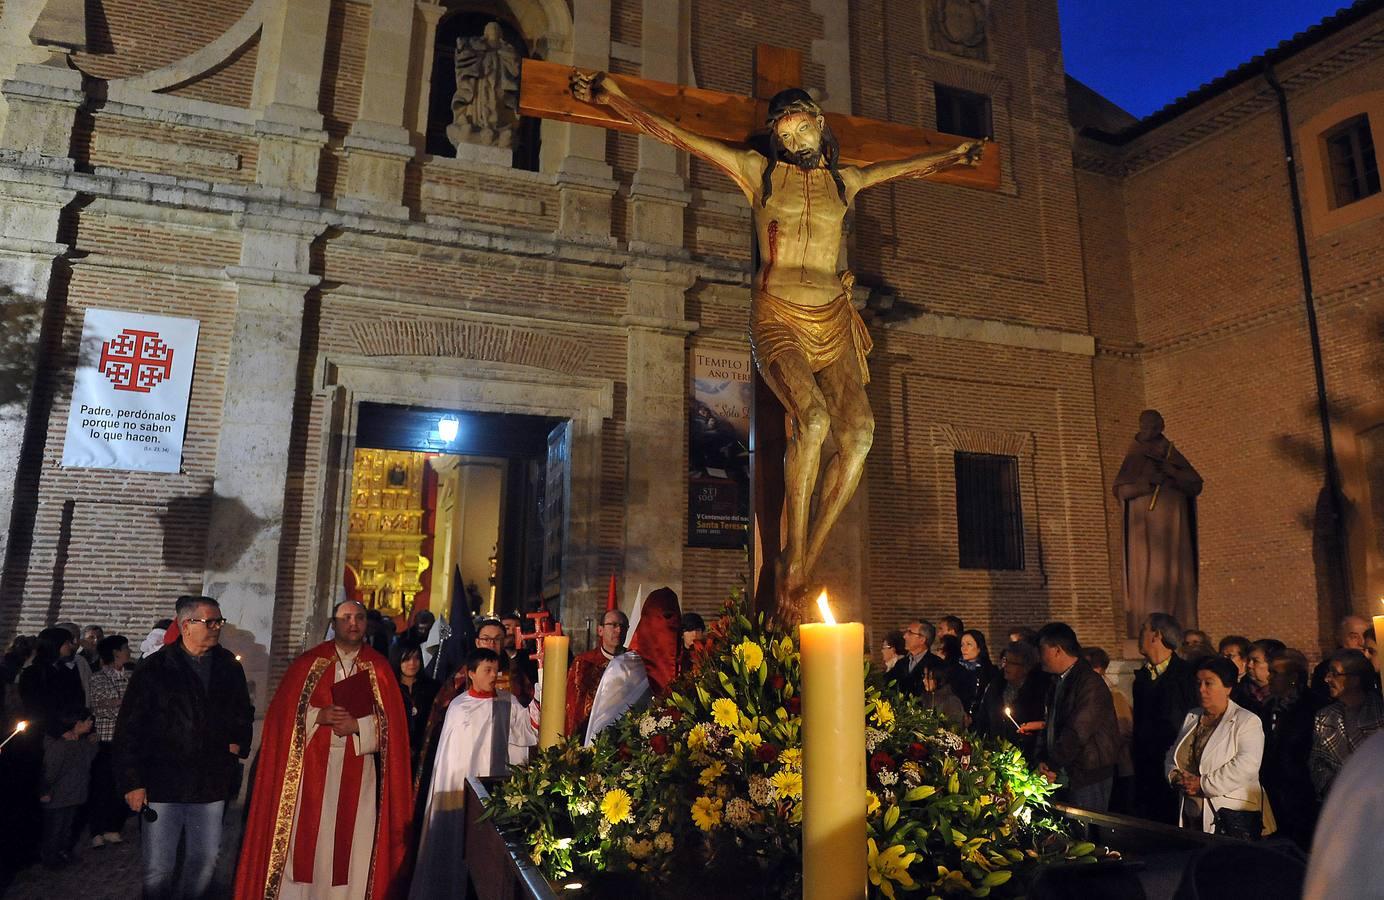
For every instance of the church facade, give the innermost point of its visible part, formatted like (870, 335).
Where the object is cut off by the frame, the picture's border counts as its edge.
(284, 172)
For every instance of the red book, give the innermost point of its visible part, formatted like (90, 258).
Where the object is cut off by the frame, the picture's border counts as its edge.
(355, 695)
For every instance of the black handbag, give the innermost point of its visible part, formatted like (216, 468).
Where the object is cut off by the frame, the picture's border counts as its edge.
(1245, 824)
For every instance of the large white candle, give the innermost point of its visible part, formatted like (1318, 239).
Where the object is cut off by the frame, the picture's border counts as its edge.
(833, 686)
(554, 702)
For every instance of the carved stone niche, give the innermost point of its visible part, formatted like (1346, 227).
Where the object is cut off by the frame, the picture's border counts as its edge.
(959, 28)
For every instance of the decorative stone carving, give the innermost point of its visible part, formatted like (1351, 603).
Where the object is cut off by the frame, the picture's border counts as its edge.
(959, 28)
(485, 107)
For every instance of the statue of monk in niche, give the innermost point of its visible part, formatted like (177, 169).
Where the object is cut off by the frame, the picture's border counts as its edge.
(485, 107)
(809, 342)
(1158, 487)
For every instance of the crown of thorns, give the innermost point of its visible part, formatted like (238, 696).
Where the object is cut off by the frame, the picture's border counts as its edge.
(803, 104)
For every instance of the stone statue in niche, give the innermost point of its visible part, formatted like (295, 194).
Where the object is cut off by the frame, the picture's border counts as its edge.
(1158, 488)
(958, 28)
(485, 107)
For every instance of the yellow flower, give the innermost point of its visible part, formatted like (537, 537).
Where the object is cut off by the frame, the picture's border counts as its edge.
(791, 758)
(884, 714)
(787, 785)
(751, 654)
(616, 806)
(783, 649)
(889, 868)
(711, 773)
(750, 739)
(696, 738)
(706, 812)
(725, 713)
(871, 803)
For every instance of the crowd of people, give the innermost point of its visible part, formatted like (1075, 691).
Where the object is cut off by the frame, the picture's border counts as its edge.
(1242, 737)
(371, 735)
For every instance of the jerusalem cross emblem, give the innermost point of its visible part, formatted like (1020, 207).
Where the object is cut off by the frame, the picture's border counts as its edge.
(136, 360)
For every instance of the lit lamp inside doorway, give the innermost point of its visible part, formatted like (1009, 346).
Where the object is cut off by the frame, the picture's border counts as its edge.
(447, 428)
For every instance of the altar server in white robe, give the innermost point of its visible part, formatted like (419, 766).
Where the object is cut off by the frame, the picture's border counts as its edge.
(485, 731)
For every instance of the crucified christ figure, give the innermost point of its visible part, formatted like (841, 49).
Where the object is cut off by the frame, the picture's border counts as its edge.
(809, 343)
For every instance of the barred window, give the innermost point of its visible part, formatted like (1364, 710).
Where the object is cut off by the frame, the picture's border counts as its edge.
(963, 112)
(1350, 154)
(989, 516)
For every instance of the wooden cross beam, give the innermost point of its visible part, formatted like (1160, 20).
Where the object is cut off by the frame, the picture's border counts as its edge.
(544, 93)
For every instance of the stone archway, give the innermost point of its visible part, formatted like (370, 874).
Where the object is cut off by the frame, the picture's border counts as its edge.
(472, 386)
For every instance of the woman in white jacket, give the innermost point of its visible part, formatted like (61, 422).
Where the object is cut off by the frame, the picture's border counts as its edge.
(1214, 763)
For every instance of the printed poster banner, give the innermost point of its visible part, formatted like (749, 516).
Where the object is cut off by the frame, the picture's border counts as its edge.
(129, 403)
(718, 436)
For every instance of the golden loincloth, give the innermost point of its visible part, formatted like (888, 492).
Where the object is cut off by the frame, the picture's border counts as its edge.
(822, 334)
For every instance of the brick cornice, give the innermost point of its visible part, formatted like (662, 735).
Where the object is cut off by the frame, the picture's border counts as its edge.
(459, 339)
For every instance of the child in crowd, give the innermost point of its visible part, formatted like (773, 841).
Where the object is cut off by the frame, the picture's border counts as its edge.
(485, 731)
(69, 747)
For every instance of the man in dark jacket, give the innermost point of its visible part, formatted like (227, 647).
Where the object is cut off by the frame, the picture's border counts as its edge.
(1165, 688)
(908, 669)
(1080, 742)
(184, 725)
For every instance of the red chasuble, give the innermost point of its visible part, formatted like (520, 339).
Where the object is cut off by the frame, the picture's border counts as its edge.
(291, 765)
(582, 680)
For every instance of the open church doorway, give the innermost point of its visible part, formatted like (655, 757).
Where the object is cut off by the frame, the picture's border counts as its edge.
(458, 512)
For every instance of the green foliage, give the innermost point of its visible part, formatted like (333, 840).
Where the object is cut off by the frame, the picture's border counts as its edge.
(712, 776)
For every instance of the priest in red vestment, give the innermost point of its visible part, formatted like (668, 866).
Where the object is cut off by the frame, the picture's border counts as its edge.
(585, 674)
(332, 797)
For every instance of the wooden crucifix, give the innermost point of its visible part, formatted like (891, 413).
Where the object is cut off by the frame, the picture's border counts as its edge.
(809, 343)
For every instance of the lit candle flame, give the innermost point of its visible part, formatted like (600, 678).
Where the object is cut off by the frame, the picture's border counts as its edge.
(1010, 716)
(825, 607)
(20, 726)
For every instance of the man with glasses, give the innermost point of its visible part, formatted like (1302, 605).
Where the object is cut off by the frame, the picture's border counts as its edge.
(184, 725)
(584, 677)
(332, 794)
(907, 673)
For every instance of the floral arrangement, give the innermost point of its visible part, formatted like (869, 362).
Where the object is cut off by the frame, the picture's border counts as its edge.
(710, 779)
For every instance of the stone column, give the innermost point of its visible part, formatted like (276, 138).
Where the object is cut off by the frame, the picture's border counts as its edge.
(288, 81)
(658, 194)
(29, 222)
(378, 146)
(585, 183)
(256, 423)
(655, 426)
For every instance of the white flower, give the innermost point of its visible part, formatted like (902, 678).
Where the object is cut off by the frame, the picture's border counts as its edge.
(665, 722)
(886, 777)
(761, 792)
(647, 725)
(873, 737)
(603, 828)
(583, 807)
(912, 773)
(738, 811)
(663, 842)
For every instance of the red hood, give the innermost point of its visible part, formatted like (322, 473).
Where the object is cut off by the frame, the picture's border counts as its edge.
(656, 638)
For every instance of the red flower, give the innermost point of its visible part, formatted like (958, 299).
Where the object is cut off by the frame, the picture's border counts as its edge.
(881, 760)
(659, 744)
(794, 705)
(766, 753)
(777, 682)
(675, 714)
(624, 751)
(917, 750)
(965, 748)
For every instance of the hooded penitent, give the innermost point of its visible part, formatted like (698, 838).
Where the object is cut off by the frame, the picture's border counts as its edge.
(656, 638)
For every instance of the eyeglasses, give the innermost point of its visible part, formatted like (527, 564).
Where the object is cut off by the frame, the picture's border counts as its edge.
(210, 623)
(609, 625)
(914, 633)
(1336, 673)
(491, 640)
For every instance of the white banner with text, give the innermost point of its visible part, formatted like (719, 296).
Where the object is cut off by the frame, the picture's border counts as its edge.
(129, 402)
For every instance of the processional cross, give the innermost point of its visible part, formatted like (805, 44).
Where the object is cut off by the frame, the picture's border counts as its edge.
(809, 343)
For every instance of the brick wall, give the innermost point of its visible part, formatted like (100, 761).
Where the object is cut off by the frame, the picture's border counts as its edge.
(1195, 291)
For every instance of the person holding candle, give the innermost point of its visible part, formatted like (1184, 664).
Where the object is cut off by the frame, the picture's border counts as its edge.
(1080, 741)
(1022, 691)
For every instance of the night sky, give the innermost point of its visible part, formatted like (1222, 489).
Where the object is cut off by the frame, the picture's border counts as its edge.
(1145, 55)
